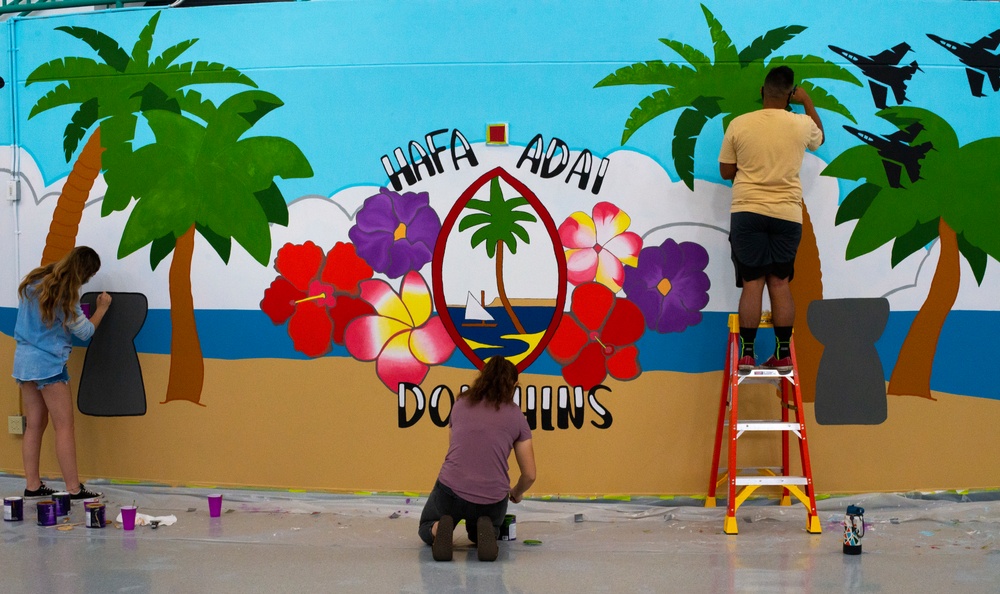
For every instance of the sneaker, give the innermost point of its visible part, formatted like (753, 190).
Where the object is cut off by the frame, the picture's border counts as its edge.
(42, 491)
(783, 365)
(745, 365)
(441, 549)
(83, 493)
(486, 539)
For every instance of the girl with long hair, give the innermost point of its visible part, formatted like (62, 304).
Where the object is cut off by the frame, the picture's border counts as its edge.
(48, 316)
(473, 484)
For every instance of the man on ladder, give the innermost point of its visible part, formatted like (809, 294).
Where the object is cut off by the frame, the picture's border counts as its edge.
(762, 154)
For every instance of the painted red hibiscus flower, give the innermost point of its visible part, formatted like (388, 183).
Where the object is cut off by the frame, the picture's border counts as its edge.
(596, 338)
(318, 295)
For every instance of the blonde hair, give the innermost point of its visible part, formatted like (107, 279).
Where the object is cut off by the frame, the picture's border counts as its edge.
(495, 384)
(58, 284)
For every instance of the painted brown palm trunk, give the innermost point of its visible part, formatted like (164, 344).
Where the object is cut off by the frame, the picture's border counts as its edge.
(187, 369)
(806, 288)
(912, 374)
(503, 292)
(69, 207)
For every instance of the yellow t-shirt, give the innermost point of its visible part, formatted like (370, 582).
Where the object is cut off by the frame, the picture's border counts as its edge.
(767, 147)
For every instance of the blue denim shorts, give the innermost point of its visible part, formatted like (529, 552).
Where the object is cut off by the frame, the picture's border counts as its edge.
(61, 377)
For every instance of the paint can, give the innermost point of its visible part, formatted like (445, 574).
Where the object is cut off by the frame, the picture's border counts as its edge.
(62, 503)
(508, 530)
(94, 514)
(13, 509)
(46, 513)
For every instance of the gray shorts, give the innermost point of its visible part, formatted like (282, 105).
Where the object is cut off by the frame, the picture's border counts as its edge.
(762, 246)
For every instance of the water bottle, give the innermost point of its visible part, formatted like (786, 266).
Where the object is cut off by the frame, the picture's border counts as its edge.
(854, 529)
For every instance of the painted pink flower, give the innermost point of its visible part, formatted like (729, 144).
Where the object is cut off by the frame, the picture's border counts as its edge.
(402, 336)
(598, 248)
(317, 294)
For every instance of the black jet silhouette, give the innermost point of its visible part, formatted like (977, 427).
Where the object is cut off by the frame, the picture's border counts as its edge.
(978, 59)
(883, 72)
(896, 151)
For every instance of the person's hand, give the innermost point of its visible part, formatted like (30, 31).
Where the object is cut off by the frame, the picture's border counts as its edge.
(515, 498)
(799, 95)
(103, 300)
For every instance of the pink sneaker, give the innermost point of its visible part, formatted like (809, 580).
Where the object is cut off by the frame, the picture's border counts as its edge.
(783, 365)
(745, 365)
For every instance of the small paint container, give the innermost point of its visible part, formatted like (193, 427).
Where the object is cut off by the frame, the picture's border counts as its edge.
(46, 513)
(62, 503)
(94, 514)
(508, 530)
(13, 509)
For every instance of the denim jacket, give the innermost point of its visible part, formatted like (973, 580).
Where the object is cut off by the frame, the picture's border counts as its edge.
(42, 350)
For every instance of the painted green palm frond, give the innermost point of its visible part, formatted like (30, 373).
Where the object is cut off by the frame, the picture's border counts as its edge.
(82, 120)
(64, 69)
(763, 46)
(522, 234)
(58, 97)
(891, 215)
(725, 51)
(686, 131)
(473, 220)
(808, 67)
(237, 114)
(259, 159)
(935, 128)
(856, 203)
(654, 72)
(976, 257)
(824, 100)
(499, 218)
(692, 55)
(169, 55)
(193, 102)
(140, 51)
(106, 47)
(971, 205)
(153, 97)
(485, 234)
(222, 245)
(655, 105)
(913, 240)
(856, 163)
(272, 202)
(160, 249)
(178, 76)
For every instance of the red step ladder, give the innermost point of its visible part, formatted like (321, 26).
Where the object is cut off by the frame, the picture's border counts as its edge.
(736, 477)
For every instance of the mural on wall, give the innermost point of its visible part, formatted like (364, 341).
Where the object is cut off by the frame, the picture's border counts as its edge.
(198, 175)
(550, 255)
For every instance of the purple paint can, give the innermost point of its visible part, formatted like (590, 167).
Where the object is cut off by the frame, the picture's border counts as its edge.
(46, 513)
(94, 514)
(62, 503)
(13, 509)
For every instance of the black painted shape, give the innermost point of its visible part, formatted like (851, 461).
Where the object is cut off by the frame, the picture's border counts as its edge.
(111, 382)
(978, 59)
(883, 72)
(896, 151)
(850, 382)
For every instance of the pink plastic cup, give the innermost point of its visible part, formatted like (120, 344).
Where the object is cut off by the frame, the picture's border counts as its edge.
(215, 505)
(128, 517)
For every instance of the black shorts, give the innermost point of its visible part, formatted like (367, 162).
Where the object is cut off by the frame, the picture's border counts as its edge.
(763, 245)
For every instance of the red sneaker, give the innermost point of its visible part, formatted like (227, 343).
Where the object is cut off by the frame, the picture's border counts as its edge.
(783, 365)
(745, 365)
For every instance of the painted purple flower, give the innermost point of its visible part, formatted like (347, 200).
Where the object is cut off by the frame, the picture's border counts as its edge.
(669, 285)
(395, 233)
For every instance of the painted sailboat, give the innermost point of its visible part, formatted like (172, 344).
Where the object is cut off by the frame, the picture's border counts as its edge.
(475, 312)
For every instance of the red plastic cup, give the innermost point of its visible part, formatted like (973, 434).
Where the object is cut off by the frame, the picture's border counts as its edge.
(128, 517)
(215, 505)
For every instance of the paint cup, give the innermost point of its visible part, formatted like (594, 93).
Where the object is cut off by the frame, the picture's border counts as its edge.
(94, 515)
(62, 503)
(128, 517)
(13, 509)
(215, 505)
(508, 530)
(86, 309)
(46, 513)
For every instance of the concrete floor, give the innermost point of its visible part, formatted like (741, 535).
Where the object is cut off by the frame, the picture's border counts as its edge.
(270, 541)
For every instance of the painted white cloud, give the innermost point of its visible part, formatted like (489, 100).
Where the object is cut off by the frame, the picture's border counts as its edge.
(659, 209)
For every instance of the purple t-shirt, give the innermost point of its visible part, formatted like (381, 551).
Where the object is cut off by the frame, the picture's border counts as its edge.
(481, 440)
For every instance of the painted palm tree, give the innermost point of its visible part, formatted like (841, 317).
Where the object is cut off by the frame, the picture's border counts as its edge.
(211, 180)
(109, 93)
(944, 201)
(499, 225)
(729, 86)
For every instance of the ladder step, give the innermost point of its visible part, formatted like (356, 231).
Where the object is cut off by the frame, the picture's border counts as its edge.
(771, 480)
(766, 426)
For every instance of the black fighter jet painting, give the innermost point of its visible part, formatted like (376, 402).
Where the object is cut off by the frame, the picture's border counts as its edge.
(978, 58)
(896, 152)
(883, 72)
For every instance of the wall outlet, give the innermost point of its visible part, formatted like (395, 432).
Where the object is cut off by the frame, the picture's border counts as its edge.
(15, 425)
